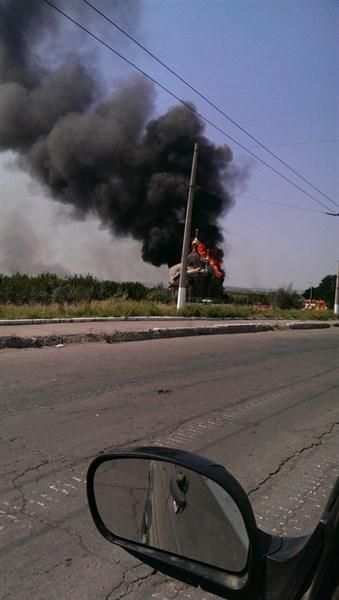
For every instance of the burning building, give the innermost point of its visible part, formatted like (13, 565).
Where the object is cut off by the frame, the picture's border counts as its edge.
(205, 273)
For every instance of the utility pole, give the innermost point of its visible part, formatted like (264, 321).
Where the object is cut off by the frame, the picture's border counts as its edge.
(336, 295)
(187, 233)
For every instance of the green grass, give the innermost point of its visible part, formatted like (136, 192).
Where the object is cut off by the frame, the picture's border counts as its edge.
(143, 308)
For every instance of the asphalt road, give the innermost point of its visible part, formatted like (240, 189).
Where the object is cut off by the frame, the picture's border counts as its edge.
(265, 405)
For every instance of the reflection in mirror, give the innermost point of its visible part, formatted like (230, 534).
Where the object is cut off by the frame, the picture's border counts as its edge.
(168, 507)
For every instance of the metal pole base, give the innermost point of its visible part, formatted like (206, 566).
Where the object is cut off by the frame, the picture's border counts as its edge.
(181, 298)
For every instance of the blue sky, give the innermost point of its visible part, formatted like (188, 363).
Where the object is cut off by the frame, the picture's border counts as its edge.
(273, 67)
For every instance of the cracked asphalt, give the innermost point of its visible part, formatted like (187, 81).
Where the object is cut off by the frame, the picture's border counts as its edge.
(265, 405)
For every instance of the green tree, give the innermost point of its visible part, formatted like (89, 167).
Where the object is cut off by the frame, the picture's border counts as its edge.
(324, 291)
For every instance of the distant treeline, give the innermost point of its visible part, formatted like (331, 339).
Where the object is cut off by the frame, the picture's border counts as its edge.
(48, 287)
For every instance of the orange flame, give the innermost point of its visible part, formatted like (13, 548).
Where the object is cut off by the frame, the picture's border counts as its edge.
(212, 257)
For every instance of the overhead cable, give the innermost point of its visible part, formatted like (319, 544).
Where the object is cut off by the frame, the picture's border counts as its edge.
(183, 102)
(252, 198)
(206, 99)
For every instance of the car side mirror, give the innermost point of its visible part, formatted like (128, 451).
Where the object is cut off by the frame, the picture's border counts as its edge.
(181, 514)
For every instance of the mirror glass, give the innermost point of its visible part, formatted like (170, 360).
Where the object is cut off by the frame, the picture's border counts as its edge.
(168, 507)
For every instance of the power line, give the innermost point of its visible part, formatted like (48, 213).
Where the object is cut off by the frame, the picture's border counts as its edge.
(206, 99)
(186, 104)
(313, 210)
(307, 143)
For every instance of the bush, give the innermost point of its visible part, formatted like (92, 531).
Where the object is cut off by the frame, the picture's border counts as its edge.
(133, 290)
(159, 294)
(286, 298)
(247, 298)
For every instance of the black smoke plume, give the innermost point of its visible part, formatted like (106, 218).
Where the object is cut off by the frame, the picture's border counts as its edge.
(106, 156)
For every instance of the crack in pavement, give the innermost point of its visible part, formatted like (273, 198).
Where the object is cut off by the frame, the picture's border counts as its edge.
(57, 459)
(283, 463)
(72, 534)
(24, 500)
(168, 430)
(44, 461)
(45, 525)
(129, 584)
(264, 419)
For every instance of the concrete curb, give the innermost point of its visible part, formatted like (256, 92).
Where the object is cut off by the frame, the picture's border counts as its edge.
(57, 320)
(130, 336)
(308, 325)
(107, 320)
(155, 333)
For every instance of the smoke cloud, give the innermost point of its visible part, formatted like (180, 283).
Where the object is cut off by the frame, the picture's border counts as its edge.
(21, 248)
(106, 156)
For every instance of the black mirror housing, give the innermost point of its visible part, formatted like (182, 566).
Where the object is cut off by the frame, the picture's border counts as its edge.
(245, 585)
